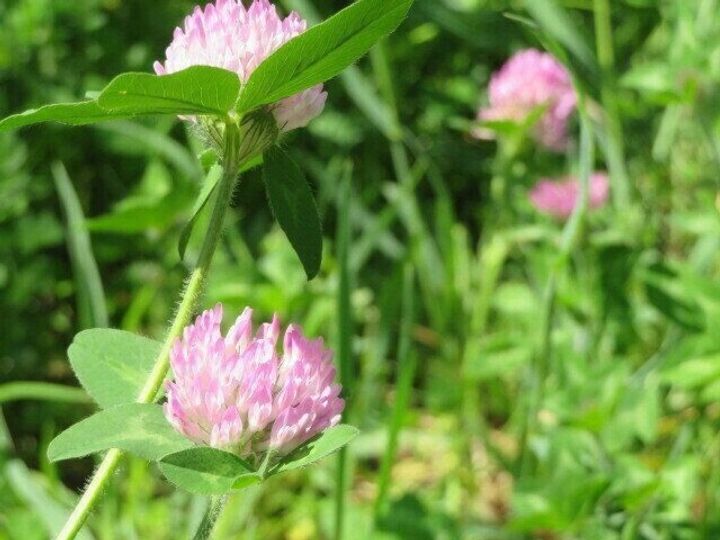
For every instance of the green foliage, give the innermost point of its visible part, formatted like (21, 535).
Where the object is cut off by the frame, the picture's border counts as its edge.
(74, 114)
(112, 365)
(330, 441)
(91, 296)
(138, 428)
(557, 23)
(194, 90)
(625, 444)
(322, 52)
(293, 205)
(207, 471)
(46, 509)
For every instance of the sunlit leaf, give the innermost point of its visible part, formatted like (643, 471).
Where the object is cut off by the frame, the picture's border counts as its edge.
(112, 365)
(323, 51)
(138, 428)
(330, 441)
(195, 90)
(207, 471)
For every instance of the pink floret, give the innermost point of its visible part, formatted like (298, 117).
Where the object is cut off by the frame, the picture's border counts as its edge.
(236, 392)
(559, 197)
(227, 35)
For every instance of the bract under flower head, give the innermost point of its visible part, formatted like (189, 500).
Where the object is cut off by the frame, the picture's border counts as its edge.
(237, 393)
(559, 197)
(531, 79)
(228, 35)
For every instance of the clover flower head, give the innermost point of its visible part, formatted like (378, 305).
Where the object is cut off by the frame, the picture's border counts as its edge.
(228, 35)
(559, 197)
(236, 392)
(528, 80)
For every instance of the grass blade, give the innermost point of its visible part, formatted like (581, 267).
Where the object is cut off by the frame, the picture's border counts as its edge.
(345, 331)
(33, 491)
(92, 310)
(40, 391)
(407, 365)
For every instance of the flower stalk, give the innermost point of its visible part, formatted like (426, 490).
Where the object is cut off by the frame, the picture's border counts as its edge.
(207, 525)
(231, 163)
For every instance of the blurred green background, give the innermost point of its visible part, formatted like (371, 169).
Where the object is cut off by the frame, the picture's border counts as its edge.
(460, 310)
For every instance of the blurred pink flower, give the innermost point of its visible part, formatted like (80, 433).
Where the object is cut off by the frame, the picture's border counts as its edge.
(227, 35)
(236, 393)
(559, 197)
(528, 80)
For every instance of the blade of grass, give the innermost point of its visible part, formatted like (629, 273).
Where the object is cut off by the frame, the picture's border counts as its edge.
(380, 337)
(608, 91)
(489, 263)
(345, 332)
(428, 260)
(5, 438)
(558, 24)
(406, 368)
(40, 391)
(92, 310)
(32, 490)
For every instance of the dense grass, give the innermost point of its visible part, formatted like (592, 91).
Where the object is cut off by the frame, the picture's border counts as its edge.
(513, 376)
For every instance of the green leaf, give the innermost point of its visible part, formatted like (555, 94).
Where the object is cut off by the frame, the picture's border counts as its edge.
(195, 90)
(322, 52)
(75, 114)
(294, 207)
(358, 87)
(137, 428)
(214, 176)
(112, 365)
(207, 471)
(330, 441)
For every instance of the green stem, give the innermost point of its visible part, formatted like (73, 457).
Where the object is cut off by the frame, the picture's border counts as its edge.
(189, 298)
(205, 529)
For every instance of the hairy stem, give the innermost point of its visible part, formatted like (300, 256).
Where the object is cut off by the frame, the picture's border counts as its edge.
(188, 300)
(205, 529)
